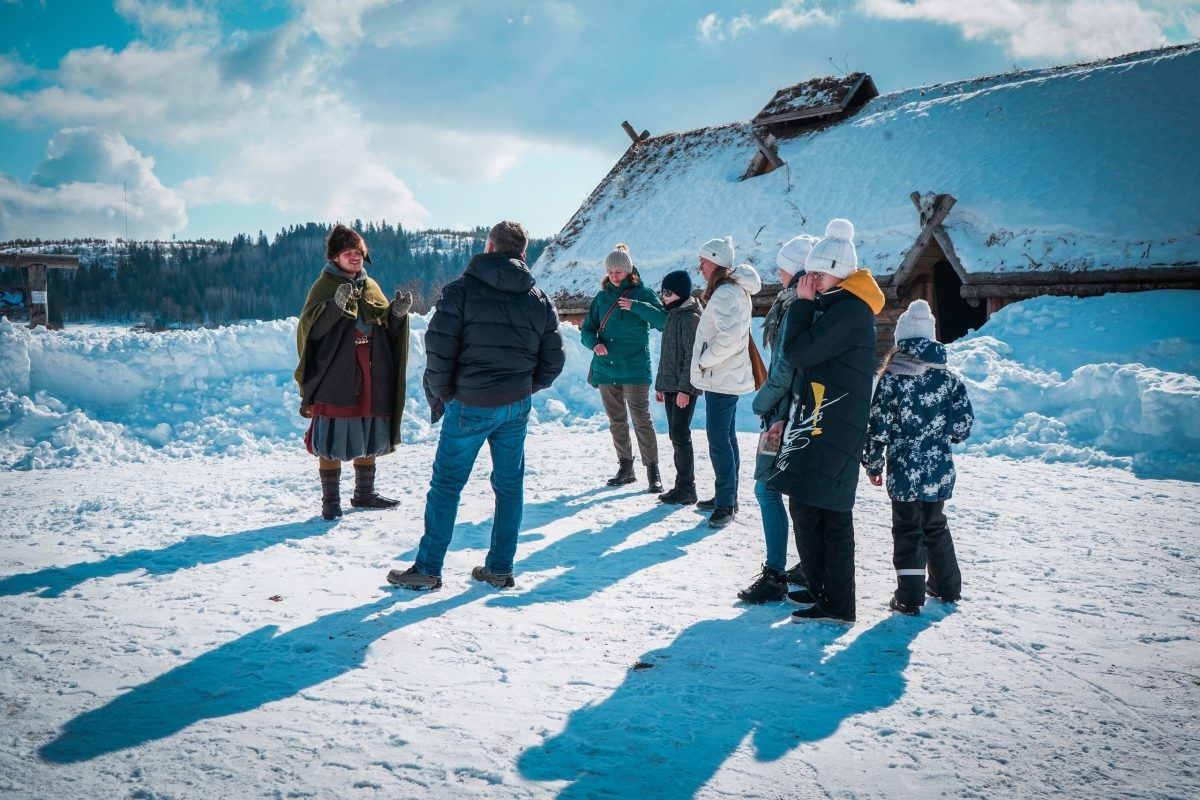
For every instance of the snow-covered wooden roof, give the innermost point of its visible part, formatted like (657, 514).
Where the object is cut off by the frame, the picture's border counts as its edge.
(1075, 168)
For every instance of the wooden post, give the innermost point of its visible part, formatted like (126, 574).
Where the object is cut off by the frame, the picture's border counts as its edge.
(633, 137)
(39, 313)
(767, 149)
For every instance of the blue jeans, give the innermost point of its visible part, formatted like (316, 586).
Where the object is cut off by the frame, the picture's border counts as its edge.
(720, 411)
(775, 525)
(464, 430)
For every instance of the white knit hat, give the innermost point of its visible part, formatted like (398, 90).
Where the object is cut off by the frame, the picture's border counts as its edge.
(835, 253)
(791, 256)
(719, 251)
(916, 322)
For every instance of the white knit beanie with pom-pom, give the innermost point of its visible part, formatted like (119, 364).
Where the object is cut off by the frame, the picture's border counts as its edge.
(835, 253)
(719, 251)
(791, 256)
(916, 322)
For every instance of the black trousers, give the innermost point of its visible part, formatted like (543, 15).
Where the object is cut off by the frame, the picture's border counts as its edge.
(826, 542)
(921, 541)
(679, 429)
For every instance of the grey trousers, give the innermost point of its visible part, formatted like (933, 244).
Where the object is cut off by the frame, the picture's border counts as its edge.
(625, 400)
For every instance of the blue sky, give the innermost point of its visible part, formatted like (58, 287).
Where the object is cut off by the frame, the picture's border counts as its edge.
(209, 118)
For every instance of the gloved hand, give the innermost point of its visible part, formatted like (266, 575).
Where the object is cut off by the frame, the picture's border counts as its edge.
(346, 298)
(401, 303)
(437, 409)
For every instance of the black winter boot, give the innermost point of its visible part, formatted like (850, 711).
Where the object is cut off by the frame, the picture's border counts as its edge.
(771, 585)
(624, 473)
(331, 493)
(721, 516)
(364, 489)
(678, 497)
(654, 478)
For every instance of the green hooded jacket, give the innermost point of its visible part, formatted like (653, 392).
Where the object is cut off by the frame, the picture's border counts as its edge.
(627, 334)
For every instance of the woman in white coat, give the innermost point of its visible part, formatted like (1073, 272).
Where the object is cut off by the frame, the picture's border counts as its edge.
(721, 366)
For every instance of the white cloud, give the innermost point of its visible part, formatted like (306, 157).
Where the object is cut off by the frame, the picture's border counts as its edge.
(13, 70)
(81, 188)
(338, 22)
(740, 23)
(1045, 29)
(152, 17)
(709, 29)
(330, 174)
(792, 16)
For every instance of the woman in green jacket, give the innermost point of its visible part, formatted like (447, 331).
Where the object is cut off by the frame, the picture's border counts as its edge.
(617, 331)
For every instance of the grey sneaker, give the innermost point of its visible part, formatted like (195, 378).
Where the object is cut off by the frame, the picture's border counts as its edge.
(499, 581)
(411, 579)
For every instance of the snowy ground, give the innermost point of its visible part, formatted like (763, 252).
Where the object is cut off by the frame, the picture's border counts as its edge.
(142, 656)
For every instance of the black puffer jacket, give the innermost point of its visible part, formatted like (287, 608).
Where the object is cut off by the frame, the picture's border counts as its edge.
(494, 337)
(834, 358)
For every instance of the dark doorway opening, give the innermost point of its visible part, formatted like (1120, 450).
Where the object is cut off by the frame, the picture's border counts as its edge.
(955, 315)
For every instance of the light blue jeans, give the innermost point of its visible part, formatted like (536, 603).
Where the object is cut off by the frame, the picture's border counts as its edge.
(464, 430)
(775, 525)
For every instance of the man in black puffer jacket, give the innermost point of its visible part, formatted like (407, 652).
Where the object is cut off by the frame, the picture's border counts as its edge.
(492, 342)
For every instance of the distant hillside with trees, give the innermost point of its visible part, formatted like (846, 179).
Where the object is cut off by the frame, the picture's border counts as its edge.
(211, 282)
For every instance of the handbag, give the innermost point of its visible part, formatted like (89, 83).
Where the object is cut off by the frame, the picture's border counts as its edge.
(591, 381)
(757, 368)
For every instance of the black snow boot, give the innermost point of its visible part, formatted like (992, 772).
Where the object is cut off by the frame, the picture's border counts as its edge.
(654, 479)
(364, 489)
(678, 497)
(624, 473)
(721, 516)
(331, 495)
(770, 585)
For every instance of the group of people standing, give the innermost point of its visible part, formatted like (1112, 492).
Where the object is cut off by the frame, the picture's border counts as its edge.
(494, 341)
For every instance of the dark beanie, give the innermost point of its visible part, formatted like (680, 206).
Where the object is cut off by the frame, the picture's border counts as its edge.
(678, 282)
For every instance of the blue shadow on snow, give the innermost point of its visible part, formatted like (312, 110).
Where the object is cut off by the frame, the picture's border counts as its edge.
(190, 552)
(668, 728)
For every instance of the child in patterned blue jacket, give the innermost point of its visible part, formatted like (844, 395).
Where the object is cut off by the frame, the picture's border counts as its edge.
(919, 409)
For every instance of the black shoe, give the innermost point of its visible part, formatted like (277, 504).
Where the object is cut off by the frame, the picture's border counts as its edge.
(483, 575)
(624, 473)
(710, 505)
(721, 516)
(677, 497)
(364, 489)
(801, 597)
(769, 586)
(909, 611)
(816, 612)
(795, 576)
(411, 579)
(654, 479)
(331, 500)
(929, 591)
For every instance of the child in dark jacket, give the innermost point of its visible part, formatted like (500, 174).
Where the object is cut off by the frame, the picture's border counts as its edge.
(919, 409)
(673, 386)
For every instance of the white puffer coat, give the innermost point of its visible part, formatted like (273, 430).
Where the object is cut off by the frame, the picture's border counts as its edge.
(721, 354)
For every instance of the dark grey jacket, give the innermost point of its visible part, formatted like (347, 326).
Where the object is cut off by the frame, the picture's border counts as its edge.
(675, 353)
(493, 339)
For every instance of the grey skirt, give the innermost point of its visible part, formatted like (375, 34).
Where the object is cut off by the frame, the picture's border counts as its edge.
(347, 438)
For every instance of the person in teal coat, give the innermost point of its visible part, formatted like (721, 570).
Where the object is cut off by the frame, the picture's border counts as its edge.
(617, 331)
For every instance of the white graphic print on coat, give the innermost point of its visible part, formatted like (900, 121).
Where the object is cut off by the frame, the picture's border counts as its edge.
(802, 427)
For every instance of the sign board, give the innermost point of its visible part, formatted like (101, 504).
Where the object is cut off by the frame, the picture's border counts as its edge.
(37, 298)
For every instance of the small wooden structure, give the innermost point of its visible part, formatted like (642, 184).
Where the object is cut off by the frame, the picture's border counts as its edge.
(38, 290)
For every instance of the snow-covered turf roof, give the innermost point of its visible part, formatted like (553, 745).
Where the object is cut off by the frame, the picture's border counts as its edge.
(1084, 167)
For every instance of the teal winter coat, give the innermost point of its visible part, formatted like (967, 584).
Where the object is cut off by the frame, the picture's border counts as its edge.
(627, 334)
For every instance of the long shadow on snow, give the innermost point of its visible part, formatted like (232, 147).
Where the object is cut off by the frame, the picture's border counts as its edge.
(667, 729)
(190, 552)
(258, 668)
(592, 565)
(265, 665)
(469, 535)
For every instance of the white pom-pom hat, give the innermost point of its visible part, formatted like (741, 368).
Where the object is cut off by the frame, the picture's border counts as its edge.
(916, 322)
(835, 254)
(791, 256)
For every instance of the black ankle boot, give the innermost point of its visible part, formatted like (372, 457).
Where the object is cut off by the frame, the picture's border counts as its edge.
(654, 478)
(364, 489)
(771, 585)
(624, 473)
(331, 496)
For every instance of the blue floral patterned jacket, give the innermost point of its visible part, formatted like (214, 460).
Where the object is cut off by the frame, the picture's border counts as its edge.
(919, 409)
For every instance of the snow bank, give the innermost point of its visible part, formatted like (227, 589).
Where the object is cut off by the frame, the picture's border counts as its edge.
(1106, 381)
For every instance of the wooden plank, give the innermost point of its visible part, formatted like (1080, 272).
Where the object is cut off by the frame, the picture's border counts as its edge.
(1183, 273)
(23, 260)
(38, 312)
(633, 137)
(765, 148)
(1024, 291)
